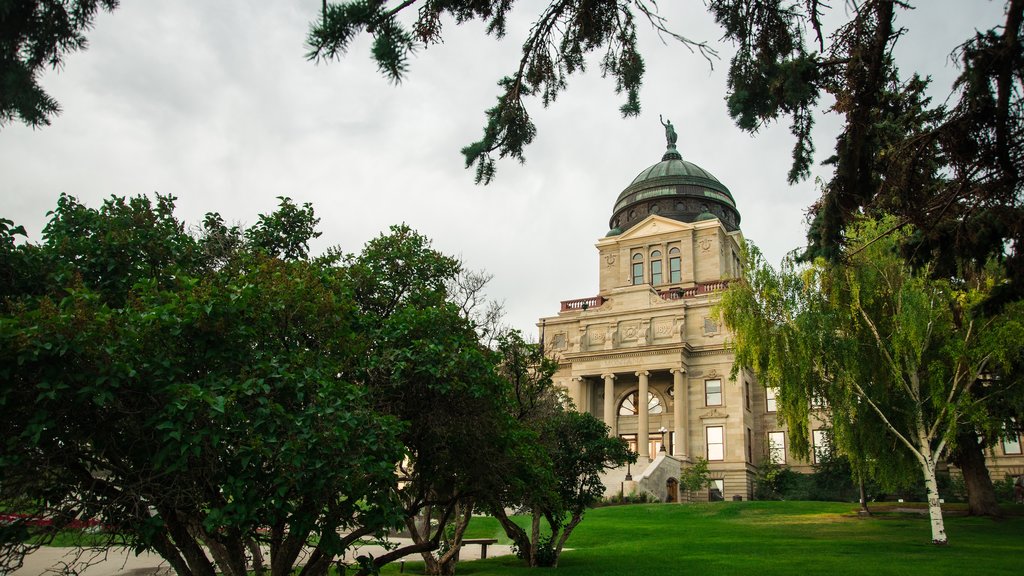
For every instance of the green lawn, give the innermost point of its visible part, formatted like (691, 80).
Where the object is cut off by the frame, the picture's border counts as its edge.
(764, 538)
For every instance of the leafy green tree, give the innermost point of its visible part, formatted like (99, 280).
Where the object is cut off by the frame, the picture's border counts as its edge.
(190, 413)
(952, 171)
(894, 352)
(212, 397)
(696, 476)
(553, 471)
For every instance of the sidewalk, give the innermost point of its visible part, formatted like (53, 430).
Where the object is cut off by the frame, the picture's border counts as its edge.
(122, 562)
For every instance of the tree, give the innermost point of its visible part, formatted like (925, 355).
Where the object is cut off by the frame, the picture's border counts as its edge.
(556, 47)
(35, 34)
(553, 471)
(889, 349)
(189, 412)
(424, 365)
(952, 172)
(214, 397)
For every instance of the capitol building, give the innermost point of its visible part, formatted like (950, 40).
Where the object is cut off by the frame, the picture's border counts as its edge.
(647, 355)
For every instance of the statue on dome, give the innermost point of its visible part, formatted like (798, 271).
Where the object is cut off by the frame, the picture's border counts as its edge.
(670, 132)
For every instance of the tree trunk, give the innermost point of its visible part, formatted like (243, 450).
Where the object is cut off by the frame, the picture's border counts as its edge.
(969, 456)
(934, 508)
(863, 496)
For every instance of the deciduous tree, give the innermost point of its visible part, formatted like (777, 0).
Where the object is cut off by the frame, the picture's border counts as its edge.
(892, 350)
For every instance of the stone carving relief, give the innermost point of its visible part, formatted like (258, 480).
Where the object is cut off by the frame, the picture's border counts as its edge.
(715, 413)
(663, 328)
(628, 331)
(710, 326)
(559, 341)
(705, 244)
(644, 333)
(609, 259)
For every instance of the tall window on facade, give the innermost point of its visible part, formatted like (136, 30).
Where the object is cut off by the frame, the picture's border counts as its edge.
(716, 443)
(1011, 443)
(675, 266)
(713, 392)
(631, 406)
(716, 490)
(769, 399)
(777, 447)
(821, 448)
(746, 394)
(656, 267)
(638, 269)
(750, 446)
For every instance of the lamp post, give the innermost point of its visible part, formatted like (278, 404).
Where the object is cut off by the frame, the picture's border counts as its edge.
(662, 430)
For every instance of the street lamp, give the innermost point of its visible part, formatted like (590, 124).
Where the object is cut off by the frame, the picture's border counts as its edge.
(662, 430)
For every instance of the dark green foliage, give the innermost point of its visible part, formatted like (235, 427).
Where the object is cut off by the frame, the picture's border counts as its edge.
(553, 471)
(35, 34)
(207, 395)
(953, 172)
(565, 33)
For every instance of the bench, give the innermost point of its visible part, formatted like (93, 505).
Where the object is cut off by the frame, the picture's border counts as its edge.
(483, 542)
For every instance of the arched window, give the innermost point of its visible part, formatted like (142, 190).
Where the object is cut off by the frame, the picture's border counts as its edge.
(638, 269)
(656, 267)
(675, 268)
(629, 405)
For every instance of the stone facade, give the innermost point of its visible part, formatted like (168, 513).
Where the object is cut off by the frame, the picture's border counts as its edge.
(650, 333)
(661, 341)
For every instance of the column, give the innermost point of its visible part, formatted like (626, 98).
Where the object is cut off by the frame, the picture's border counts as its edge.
(609, 402)
(643, 440)
(576, 393)
(680, 414)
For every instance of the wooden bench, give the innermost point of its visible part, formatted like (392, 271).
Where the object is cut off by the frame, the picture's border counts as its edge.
(483, 542)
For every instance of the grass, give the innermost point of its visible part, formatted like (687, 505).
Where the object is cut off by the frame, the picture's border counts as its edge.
(766, 538)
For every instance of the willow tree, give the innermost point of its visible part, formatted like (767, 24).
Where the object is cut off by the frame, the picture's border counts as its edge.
(889, 348)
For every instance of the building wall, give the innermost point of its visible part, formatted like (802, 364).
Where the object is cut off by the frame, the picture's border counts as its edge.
(667, 334)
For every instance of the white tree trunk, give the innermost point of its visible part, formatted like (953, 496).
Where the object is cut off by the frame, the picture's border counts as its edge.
(932, 487)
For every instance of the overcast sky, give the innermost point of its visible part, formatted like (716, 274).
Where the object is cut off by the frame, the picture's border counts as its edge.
(216, 104)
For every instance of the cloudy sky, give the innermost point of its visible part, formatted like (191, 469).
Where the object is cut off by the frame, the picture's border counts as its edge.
(216, 104)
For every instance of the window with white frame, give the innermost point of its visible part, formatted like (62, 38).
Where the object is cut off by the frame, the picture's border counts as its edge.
(638, 269)
(630, 405)
(656, 267)
(716, 490)
(769, 399)
(675, 267)
(1011, 443)
(713, 392)
(822, 447)
(716, 442)
(777, 447)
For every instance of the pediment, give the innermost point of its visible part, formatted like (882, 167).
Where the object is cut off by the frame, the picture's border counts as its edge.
(653, 225)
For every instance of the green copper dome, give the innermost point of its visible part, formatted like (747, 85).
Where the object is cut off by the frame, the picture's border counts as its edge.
(676, 189)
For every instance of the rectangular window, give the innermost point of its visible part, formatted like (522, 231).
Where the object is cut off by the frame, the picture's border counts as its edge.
(713, 392)
(769, 399)
(716, 443)
(675, 270)
(656, 272)
(777, 447)
(1011, 444)
(716, 490)
(821, 446)
(750, 446)
(638, 273)
(746, 394)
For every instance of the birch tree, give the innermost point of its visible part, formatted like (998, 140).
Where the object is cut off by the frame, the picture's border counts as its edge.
(885, 345)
